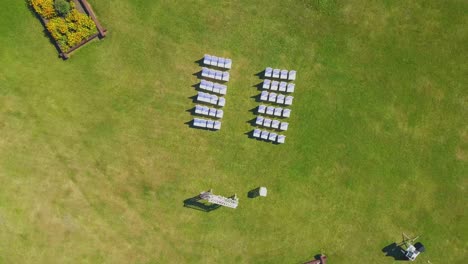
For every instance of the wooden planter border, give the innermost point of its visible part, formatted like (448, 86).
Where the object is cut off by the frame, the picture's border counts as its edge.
(89, 11)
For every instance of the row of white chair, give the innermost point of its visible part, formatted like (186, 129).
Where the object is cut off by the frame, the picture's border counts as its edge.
(198, 122)
(215, 74)
(278, 86)
(218, 62)
(213, 87)
(211, 99)
(280, 74)
(276, 98)
(266, 122)
(205, 110)
(257, 133)
(274, 111)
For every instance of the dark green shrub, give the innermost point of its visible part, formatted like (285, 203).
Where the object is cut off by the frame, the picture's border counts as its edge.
(62, 6)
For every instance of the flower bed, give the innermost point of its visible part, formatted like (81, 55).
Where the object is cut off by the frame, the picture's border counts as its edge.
(69, 27)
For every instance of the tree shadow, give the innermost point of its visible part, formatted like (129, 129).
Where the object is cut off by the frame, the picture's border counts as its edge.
(395, 251)
(194, 203)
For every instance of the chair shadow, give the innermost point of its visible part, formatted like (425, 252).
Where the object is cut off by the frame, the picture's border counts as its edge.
(257, 98)
(200, 62)
(259, 86)
(249, 134)
(260, 75)
(198, 75)
(193, 98)
(395, 251)
(252, 122)
(191, 111)
(194, 203)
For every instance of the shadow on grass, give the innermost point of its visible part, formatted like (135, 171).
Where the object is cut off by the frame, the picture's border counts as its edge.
(259, 86)
(45, 31)
(252, 122)
(200, 62)
(395, 251)
(254, 193)
(198, 74)
(257, 98)
(193, 98)
(194, 203)
(260, 75)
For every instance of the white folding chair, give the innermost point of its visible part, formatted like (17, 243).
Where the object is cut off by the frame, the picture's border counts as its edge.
(281, 139)
(264, 134)
(256, 133)
(217, 125)
(218, 75)
(268, 72)
(212, 112)
(261, 109)
(278, 111)
(221, 62)
(290, 88)
(211, 73)
(284, 126)
(228, 63)
(264, 96)
(219, 113)
(270, 110)
(259, 120)
(284, 75)
(210, 124)
(214, 99)
(280, 99)
(292, 75)
(267, 122)
(221, 101)
(286, 112)
(198, 109)
(274, 86)
(207, 59)
(282, 86)
(222, 89)
(288, 100)
(201, 97)
(272, 97)
(214, 60)
(272, 137)
(205, 72)
(276, 73)
(203, 84)
(266, 84)
(205, 110)
(225, 76)
(275, 124)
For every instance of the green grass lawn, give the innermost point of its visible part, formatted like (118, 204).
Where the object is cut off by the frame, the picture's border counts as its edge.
(96, 159)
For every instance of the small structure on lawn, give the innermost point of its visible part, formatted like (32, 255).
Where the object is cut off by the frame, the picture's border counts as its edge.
(320, 259)
(412, 251)
(263, 191)
(221, 200)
